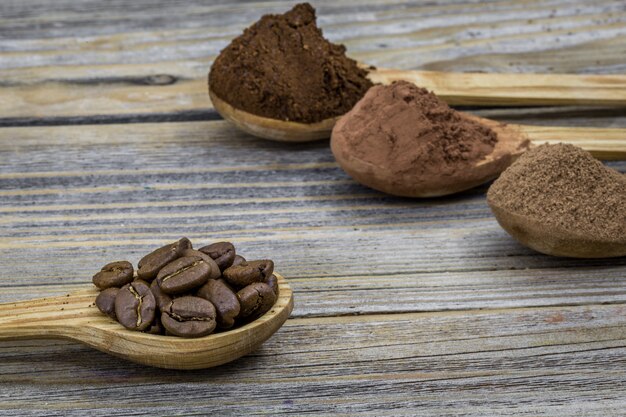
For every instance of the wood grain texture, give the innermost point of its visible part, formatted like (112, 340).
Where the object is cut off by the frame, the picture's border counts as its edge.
(157, 182)
(602, 143)
(403, 307)
(513, 89)
(548, 361)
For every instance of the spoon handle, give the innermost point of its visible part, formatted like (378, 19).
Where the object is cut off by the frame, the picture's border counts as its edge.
(479, 89)
(50, 317)
(602, 143)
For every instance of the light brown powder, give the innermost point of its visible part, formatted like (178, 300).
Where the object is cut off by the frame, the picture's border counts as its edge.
(564, 186)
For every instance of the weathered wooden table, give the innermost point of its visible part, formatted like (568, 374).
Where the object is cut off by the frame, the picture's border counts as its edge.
(109, 146)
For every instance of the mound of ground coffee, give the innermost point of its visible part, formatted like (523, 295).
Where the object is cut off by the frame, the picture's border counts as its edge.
(411, 135)
(564, 186)
(282, 68)
(179, 291)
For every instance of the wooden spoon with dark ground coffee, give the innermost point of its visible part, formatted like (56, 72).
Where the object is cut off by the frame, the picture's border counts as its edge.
(282, 80)
(75, 317)
(475, 89)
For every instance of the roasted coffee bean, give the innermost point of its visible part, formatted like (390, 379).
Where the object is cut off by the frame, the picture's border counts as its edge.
(272, 281)
(162, 300)
(230, 287)
(115, 274)
(255, 300)
(105, 301)
(183, 274)
(222, 252)
(155, 327)
(215, 269)
(224, 299)
(135, 305)
(150, 264)
(238, 260)
(248, 272)
(189, 316)
(194, 292)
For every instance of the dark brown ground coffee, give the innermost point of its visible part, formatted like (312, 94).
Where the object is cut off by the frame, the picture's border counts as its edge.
(564, 186)
(282, 68)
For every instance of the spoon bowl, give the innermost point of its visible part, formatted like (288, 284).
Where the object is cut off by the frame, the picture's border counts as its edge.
(273, 129)
(475, 89)
(552, 240)
(512, 142)
(75, 317)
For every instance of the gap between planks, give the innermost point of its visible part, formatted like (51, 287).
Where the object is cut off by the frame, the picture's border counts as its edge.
(187, 170)
(242, 235)
(412, 315)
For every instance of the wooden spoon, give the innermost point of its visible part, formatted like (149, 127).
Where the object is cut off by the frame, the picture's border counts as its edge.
(477, 89)
(75, 317)
(555, 241)
(513, 140)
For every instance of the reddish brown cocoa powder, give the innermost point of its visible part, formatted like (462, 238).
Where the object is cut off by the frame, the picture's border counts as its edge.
(564, 186)
(282, 68)
(410, 133)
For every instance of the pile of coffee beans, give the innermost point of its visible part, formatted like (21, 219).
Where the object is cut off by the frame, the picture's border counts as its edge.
(179, 291)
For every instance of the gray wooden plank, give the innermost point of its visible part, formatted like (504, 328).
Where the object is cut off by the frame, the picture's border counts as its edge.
(563, 361)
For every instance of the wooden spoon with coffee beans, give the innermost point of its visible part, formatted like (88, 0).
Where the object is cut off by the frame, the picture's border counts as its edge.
(476, 89)
(75, 317)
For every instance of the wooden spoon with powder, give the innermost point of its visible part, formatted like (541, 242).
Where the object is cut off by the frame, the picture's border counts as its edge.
(559, 200)
(282, 80)
(405, 141)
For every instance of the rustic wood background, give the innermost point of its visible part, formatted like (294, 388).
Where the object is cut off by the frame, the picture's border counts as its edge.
(109, 146)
